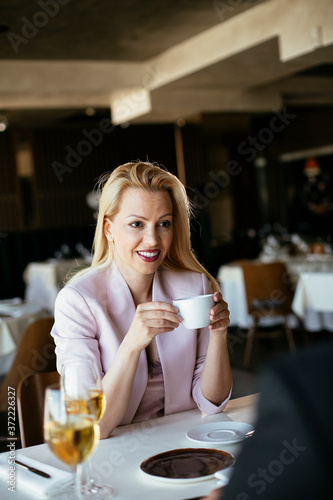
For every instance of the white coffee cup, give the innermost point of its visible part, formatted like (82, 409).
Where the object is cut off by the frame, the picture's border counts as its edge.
(195, 310)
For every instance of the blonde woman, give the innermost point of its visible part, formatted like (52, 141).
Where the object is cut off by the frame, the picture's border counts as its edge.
(119, 311)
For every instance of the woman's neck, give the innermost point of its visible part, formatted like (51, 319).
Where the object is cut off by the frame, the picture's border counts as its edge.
(141, 295)
(140, 287)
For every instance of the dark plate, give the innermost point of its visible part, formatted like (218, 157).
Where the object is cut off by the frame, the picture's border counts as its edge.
(187, 464)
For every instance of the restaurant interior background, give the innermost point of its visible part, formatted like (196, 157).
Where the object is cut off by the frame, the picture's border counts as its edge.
(235, 97)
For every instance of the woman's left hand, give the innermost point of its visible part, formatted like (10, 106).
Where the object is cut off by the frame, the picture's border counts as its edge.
(219, 314)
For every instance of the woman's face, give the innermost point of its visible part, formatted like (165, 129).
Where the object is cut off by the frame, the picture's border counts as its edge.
(142, 231)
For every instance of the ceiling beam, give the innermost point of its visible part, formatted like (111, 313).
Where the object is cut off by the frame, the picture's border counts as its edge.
(302, 27)
(273, 19)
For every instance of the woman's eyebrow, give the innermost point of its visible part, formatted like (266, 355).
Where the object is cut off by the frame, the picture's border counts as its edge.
(166, 215)
(137, 216)
(144, 218)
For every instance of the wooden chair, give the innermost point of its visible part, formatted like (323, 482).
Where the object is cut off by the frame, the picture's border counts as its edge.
(35, 354)
(268, 294)
(30, 406)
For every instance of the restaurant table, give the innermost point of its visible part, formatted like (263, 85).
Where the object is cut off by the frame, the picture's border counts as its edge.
(14, 320)
(117, 459)
(231, 279)
(44, 280)
(313, 300)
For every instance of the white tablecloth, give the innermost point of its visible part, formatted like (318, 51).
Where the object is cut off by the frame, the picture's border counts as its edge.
(44, 280)
(313, 300)
(232, 283)
(118, 458)
(12, 328)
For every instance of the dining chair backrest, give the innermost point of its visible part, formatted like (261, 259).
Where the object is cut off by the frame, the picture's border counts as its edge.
(30, 406)
(269, 294)
(268, 288)
(35, 354)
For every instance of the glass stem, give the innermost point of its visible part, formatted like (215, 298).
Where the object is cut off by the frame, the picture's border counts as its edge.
(78, 480)
(88, 473)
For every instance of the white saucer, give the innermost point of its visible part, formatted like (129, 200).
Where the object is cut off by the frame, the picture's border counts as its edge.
(220, 432)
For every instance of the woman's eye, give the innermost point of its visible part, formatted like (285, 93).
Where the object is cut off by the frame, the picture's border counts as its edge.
(165, 223)
(136, 224)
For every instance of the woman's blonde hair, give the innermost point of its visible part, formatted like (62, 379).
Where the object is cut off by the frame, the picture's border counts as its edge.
(150, 177)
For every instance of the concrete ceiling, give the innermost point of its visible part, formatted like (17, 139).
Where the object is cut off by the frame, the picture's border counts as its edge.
(159, 61)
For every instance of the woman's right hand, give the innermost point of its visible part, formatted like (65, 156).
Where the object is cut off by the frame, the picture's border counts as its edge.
(151, 319)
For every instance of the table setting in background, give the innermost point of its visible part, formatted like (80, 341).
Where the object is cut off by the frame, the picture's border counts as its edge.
(44, 279)
(159, 458)
(15, 317)
(306, 267)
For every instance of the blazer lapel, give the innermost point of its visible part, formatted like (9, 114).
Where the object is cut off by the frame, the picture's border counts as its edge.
(123, 310)
(172, 346)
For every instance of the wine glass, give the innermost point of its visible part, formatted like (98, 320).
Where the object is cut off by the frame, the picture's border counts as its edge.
(71, 437)
(83, 376)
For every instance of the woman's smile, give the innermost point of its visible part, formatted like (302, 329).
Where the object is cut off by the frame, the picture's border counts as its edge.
(149, 255)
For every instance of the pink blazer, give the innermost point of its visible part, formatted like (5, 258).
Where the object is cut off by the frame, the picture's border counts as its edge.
(94, 313)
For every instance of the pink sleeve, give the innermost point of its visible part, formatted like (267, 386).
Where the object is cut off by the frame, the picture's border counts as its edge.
(75, 329)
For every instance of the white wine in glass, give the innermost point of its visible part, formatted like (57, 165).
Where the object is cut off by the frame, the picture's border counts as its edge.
(71, 438)
(98, 401)
(83, 376)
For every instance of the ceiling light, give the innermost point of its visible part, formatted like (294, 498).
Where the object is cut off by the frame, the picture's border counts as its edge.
(3, 123)
(181, 122)
(90, 111)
